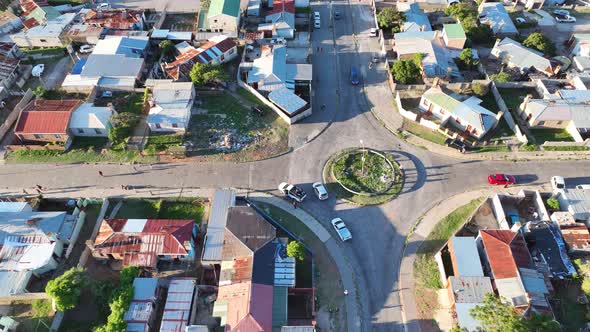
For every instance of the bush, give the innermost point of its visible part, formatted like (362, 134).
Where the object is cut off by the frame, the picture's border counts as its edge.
(120, 301)
(540, 43)
(501, 77)
(41, 308)
(296, 250)
(65, 290)
(553, 203)
(389, 17)
(405, 71)
(466, 59)
(479, 89)
(40, 92)
(530, 147)
(123, 124)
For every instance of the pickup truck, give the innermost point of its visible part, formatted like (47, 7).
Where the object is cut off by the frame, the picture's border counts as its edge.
(292, 191)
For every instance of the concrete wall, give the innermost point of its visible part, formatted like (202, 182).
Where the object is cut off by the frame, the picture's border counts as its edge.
(406, 114)
(499, 212)
(224, 22)
(507, 115)
(11, 118)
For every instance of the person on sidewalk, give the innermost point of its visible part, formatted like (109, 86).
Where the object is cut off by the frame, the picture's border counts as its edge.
(100, 173)
(294, 204)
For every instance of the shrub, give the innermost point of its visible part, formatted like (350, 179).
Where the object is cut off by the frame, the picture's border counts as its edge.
(405, 71)
(479, 89)
(501, 77)
(296, 250)
(65, 290)
(553, 203)
(540, 43)
(40, 92)
(123, 124)
(529, 147)
(41, 308)
(120, 301)
(389, 17)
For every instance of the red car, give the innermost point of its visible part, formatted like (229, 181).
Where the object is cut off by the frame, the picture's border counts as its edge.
(501, 179)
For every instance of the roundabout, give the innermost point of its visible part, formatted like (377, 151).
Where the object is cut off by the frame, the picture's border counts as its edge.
(363, 176)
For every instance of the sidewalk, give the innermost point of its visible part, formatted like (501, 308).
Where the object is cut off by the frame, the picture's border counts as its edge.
(353, 309)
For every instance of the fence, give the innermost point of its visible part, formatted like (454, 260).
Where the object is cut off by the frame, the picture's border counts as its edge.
(406, 114)
(585, 143)
(25, 297)
(507, 115)
(515, 85)
(5, 127)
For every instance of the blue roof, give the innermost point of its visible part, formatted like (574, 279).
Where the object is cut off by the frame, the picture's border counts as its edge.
(132, 47)
(416, 19)
(77, 70)
(144, 288)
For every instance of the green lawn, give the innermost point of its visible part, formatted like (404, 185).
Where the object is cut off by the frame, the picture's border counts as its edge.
(552, 135)
(492, 148)
(249, 97)
(565, 148)
(132, 103)
(502, 130)
(181, 208)
(567, 310)
(85, 143)
(448, 226)
(158, 143)
(423, 132)
(57, 51)
(88, 155)
(514, 97)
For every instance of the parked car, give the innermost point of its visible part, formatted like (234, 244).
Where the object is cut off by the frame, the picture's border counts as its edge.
(557, 182)
(320, 191)
(501, 179)
(86, 49)
(103, 6)
(453, 143)
(354, 76)
(583, 186)
(316, 16)
(565, 19)
(317, 24)
(561, 12)
(336, 15)
(341, 229)
(107, 94)
(38, 70)
(292, 191)
(373, 32)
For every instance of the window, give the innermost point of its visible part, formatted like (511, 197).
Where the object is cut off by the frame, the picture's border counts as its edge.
(222, 57)
(215, 21)
(541, 123)
(158, 126)
(175, 125)
(426, 103)
(458, 121)
(57, 136)
(97, 131)
(442, 111)
(80, 131)
(43, 40)
(231, 51)
(37, 136)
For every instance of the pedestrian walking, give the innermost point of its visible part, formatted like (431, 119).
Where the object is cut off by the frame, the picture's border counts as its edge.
(123, 186)
(294, 204)
(135, 169)
(346, 292)
(100, 173)
(39, 187)
(25, 192)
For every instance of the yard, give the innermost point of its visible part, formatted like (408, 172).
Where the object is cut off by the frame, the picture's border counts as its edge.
(551, 135)
(225, 129)
(502, 130)
(330, 294)
(158, 143)
(514, 97)
(33, 316)
(571, 314)
(423, 132)
(179, 208)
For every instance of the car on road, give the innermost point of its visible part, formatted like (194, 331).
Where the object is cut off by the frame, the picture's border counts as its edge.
(583, 186)
(561, 12)
(341, 229)
(373, 32)
(336, 15)
(565, 19)
(557, 182)
(455, 144)
(501, 179)
(317, 24)
(86, 49)
(103, 6)
(38, 70)
(292, 192)
(354, 76)
(320, 191)
(316, 15)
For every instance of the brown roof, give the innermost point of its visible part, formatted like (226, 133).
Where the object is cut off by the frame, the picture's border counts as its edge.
(184, 62)
(249, 227)
(7, 66)
(576, 236)
(115, 19)
(42, 116)
(506, 251)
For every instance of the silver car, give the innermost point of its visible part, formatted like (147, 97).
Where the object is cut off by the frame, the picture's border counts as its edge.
(320, 191)
(341, 229)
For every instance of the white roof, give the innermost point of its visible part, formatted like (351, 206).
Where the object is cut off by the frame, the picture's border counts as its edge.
(576, 201)
(14, 206)
(512, 290)
(519, 56)
(223, 199)
(77, 80)
(171, 35)
(90, 116)
(466, 256)
(497, 18)
(178, 305)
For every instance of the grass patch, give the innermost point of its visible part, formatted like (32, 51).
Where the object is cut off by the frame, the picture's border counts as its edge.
(302, 10)
(572, 315)
(514, 97)
(426, 270)
(492, 148)
(249, 97)
(162, 142)
(423, 132)
(180, 208)
(565, 148)
(551, 135)
(254, 137)
(502, 129)
(132, 103)
(529, 147)
(448, 226)
(85, 143)
(33, 316)
(89, 155)
(363, 172)
(340, 192)
(56, 51)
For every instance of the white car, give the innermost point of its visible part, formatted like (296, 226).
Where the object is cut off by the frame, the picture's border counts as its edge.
(86, 49)
(320, 191)
(373, 32)
(317, 24)
(557, 182)
(561, 12)
(565, 19)
(583, 186)
(316, 16)
(341, 229)
(38, 70)
(104, 6)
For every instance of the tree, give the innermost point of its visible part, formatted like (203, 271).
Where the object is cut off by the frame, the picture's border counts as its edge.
(389, 17)
(479, 89)
(457, 328)
(296, 250)
(120, 301)
(167, 47)
(417, 58)
(123, 124)
(202, 74)
(467, 60)
(541, 323)
(501, 77)
(553, 203)
(479, 34)
(495, 315)
(65, 289)
(540, 43)
(40, 92)
(405, 71)
(461, 11)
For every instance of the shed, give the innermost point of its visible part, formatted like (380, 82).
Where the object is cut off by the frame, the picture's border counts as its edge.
(464, 257)
(223, 199)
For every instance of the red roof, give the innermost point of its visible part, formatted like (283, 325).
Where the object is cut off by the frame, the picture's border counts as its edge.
(42, 116)
(576, 236)
(141, 240)
(506, 251)
(185, 61)
(249, 306)
(31, 22)
(282, 6)
(116, 19)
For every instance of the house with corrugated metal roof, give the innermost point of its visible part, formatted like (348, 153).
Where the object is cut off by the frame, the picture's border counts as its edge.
(224, 15)
(141, 315)
(45, 121)
(568, 114)
(515, 55)
(280, 20)
(416, 19)
(144, 242)
(170, 106)
(117, 19)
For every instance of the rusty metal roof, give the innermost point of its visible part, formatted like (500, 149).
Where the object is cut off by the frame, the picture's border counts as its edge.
(115, 19)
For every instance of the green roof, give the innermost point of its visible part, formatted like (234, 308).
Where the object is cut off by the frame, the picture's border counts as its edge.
(279, 306)
(443, 100)
(454, 30)
(227, 7)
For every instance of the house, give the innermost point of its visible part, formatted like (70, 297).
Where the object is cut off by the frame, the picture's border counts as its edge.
(170, 106)
(116, 19)
(222, 199)
(548, 249)
(90, 120)
(495, 15)
(454, 36)
(45, 121)
(509, 264)
(580, 45)
(10, 50)
(465, 115)
(465, 293)
(517, 56)
(271, 72)
(141, 315)
(8, 324)
(9, 22)
(575, 234)
(82, 34)
(280, 20)
(177, 309)
(167, 34)
(130, 47)
(253, 9)
(511, 211)
(416, 19)
(573, 116)
(46, 35)
(576, 202)
(218, 49)
(224, 16)
(144, 242)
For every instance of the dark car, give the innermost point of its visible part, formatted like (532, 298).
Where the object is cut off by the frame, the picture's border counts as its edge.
(354, 76)
(453, 143)
(336, 15)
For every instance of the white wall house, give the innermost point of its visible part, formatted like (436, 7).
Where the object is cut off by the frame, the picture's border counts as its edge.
(224, 15)
(89, 120)
(171, 106)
